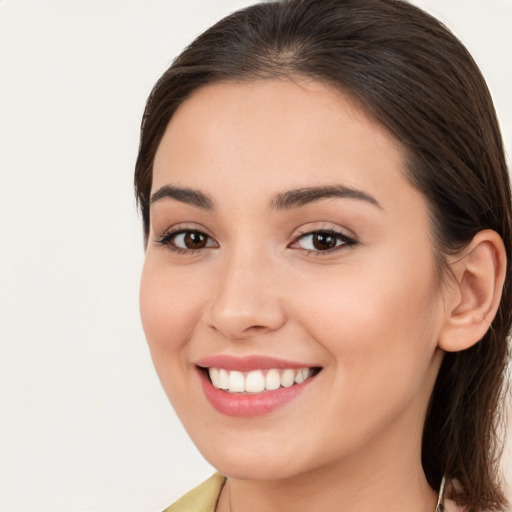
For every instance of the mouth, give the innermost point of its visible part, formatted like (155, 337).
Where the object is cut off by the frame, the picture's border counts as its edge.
(257, 381)
(252, 386)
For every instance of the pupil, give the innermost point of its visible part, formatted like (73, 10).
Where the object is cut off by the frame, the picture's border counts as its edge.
(195, 240)
(324, 241)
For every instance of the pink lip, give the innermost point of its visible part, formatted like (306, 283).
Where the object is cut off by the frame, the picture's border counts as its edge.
(249, 404)
(247, 363)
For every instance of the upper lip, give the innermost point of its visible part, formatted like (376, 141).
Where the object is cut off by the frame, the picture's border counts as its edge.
(248, 363)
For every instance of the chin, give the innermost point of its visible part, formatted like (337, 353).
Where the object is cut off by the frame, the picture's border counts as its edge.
(253, 462)
(255, 470)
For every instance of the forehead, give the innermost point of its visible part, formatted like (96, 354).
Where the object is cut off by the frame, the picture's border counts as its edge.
(276, 134)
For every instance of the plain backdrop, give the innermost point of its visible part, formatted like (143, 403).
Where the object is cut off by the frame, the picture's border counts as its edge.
(84, 424)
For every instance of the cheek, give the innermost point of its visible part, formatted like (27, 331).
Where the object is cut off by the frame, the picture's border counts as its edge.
(169, 309)
(378, 322)
(380, 334)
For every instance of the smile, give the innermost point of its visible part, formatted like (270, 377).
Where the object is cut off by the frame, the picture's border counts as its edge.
(257, 381)
(253, 385)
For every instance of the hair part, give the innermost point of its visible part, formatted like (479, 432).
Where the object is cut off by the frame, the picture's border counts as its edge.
(414, 77)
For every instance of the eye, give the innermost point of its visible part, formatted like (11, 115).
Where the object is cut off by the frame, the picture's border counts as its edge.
(191, 240)
(322, 241)
(185, 240)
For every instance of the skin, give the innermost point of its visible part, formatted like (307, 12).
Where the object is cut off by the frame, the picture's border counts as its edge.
(369, 314)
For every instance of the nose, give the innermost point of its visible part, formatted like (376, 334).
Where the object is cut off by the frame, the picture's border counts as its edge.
(246, 298)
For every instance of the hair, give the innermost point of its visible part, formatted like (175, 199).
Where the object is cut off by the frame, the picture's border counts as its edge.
(412, 75)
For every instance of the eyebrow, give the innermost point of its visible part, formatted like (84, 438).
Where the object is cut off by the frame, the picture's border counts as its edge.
(284, 201)
(303, 196)
(184, 195)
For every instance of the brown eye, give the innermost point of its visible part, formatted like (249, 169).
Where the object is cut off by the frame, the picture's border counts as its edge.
(187, 240)
(324, 241)
(194, 240)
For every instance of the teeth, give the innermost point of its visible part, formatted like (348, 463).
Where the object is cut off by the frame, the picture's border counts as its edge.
(214, 377)
(302, 375)
(223, 379)
(256, 381)
(236, 382)
(288, 378)
(272, 380)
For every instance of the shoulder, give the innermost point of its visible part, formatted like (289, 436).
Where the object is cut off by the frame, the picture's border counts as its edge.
(203, 498)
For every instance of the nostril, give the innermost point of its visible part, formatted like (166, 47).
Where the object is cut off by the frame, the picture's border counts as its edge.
(238, 311)
(238, 328)
(257, 328)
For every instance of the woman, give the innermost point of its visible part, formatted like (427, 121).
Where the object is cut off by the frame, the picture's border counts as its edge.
(326, 293)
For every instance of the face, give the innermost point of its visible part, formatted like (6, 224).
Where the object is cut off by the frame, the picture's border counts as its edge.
(291, 262)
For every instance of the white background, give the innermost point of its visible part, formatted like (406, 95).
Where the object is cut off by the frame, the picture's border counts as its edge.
(84, 425)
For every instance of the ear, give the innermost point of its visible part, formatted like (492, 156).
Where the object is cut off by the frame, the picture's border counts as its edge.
(472, 299)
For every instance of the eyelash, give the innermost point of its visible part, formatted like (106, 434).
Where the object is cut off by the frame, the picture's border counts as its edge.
(341, 240)
(167, 240)
(345, 241)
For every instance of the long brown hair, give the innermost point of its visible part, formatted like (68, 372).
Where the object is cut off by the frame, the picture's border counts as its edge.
(415, 78)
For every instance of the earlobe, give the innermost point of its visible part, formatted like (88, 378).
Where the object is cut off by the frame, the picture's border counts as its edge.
(472, 300)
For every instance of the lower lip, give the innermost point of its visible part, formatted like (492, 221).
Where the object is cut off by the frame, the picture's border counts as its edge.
(247, 404)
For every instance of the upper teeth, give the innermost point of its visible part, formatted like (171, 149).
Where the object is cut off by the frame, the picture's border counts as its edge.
(257, 380)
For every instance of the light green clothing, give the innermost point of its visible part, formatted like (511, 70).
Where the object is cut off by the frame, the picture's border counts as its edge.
(201, 499)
